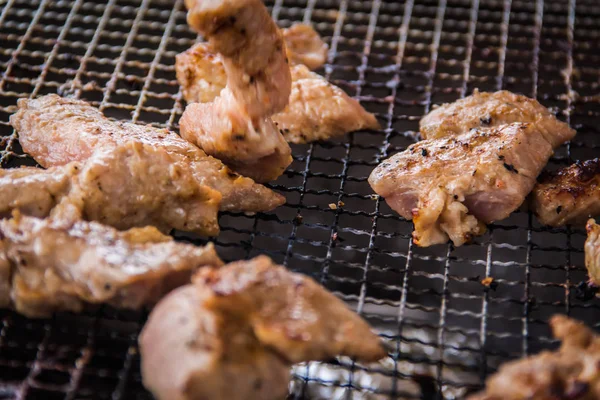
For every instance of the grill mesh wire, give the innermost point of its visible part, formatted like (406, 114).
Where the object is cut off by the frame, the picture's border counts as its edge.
(399, 58)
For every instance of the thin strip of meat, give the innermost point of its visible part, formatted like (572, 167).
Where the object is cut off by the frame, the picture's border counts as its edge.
(592, 251)
(59, 265)
(570, 373)
(568, 196)
(253, 50)
(57, 130)
(133, 185)
(236, 126)
(235, 332)
(493, 109)
(452, 187)
(201, 73)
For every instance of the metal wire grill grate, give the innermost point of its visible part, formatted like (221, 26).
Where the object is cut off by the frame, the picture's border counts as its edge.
(399, 58)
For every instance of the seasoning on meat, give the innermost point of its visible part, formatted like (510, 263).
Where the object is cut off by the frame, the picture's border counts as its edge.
(493, 109)
(569, 373)
(132, 185)
(56, 131)
(202, 76)
(235, 332)
(570, 195)
(443, 196)
(59, 265)
(592, 251)
(236, 126)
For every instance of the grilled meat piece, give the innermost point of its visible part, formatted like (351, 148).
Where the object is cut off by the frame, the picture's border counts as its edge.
(253, 50)
(222, 129)
(304, 46)
(592, 251)
(236, 126)
(452, 186)
(319, 110)
(235, 332)
(568, 196)
(202, 76)
(60, 265)
(56, 131)
(491, 110)
(571, 372)
(131, 186)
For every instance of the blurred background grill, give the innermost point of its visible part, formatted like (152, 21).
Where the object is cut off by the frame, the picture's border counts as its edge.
(399, 58)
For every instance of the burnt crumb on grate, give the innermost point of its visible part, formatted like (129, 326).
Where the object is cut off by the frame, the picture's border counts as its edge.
(585, 290)
(489, 283)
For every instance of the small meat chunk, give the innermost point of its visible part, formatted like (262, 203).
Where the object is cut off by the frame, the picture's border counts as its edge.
(60, 265)
(222, 129)
(305, 46)
(235, 332)
(319, 110)
(568, 196)
(253, 50)
(571, 372)
(57, 131)
(592, 251)
(492, 110)
(452, 187)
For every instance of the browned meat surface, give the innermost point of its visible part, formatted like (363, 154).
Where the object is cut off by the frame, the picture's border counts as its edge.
(570, 373)
(201, 73)
(236, 126)
(592, 251)
(452, 187)
(319, 110)
(222, 129)
(56, 131)
(490, 110)
(568, 196)
(131, 186)
(253, 51)
(34, 191)
(305, 46)
(235, 332)
(60, 265)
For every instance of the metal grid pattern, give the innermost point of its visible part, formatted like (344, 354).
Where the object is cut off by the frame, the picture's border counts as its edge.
(399, 58)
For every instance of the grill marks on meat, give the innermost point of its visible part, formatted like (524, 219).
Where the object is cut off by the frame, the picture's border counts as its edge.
(235, 332)
(452, 187)
(56, 131)
(592, 251)
(570, 373)
(317, 110)
(568, 196)
(56, 265)
(490, 110)
(236, 126)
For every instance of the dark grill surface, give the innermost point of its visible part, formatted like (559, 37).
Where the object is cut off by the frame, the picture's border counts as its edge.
(447, 330)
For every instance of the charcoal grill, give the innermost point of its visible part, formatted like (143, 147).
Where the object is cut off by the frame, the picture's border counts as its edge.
(446, 330)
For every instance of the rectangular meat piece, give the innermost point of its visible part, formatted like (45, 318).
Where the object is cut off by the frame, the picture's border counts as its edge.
(493, 109)
(452, 187)
(58, 265)
(568, 196)
(57, 131)
(592, 251)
